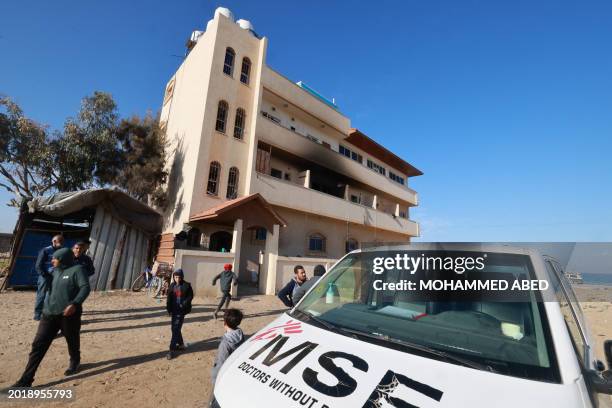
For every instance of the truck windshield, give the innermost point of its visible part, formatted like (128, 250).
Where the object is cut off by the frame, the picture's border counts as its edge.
(511, 338)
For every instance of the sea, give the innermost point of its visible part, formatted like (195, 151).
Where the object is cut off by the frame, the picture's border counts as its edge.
(597, 278)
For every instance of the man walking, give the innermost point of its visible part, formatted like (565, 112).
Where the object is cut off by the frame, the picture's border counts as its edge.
(44, 269)
(286, 293)
(226, 277)
(81, 258)
(62, 311)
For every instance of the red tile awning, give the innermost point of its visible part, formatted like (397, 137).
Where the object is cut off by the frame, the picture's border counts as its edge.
(253, 209)
(363, 142)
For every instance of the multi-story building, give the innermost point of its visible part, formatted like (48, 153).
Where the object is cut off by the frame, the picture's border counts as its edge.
(264, 169)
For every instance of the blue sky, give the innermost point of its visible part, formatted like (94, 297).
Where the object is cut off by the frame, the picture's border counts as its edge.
(505, 106)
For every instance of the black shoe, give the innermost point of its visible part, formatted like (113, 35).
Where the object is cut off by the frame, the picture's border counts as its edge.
(170, 355)
(72, 369)
(21, 384)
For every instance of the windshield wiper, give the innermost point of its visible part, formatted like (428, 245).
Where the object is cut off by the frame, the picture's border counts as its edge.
(324, 323)
(429, 350)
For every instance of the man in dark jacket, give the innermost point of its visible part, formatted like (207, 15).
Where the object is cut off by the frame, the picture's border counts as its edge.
(286, 293)
(44, 270)
(300, 291)
(81, 258)
(178, 304)
(226, 277)
(62, 311)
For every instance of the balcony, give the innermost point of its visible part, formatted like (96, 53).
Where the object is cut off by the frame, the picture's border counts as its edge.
(289, 91)
(294, 196)
(276, 135)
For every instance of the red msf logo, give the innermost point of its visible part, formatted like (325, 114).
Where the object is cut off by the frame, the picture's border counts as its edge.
(290, 327)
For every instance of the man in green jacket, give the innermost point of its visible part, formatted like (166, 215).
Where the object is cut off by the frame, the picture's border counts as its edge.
(62, 311)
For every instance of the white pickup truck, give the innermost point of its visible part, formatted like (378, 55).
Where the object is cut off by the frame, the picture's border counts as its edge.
(349, 345)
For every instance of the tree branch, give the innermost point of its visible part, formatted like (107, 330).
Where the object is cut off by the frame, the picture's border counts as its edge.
(17, 188)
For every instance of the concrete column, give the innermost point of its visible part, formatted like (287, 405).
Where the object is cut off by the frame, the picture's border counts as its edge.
(307, 179)
(397, 210)
(236, 242)
(375, 201)
(347, 193)
(267, 279)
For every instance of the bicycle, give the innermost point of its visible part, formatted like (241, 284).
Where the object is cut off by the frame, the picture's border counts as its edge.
(160, 282)
(142, 281)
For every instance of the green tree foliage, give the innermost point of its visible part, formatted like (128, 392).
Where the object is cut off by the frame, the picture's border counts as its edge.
(94, 149)
(87, 153)
(143, 153)
(24, 150)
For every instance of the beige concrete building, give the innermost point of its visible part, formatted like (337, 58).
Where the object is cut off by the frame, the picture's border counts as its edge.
(267, 171)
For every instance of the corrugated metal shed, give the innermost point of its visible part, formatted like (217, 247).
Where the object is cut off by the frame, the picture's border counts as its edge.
(122, 233)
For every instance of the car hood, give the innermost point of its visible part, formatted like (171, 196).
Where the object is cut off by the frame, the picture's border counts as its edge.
(290, 363)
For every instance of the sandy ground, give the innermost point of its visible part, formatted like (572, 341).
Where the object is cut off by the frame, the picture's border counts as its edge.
(125, 339)
(124, 343)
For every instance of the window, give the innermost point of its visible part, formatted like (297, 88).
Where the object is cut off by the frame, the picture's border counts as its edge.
(344, 151)
(396, 178)
(355, 199)
(260, 234)
(169, 91)
(221, 116)
(376, 167)
(350, 154)
(228, 64)
(232, 183)
(239, 124)
(245, 72)
(213, 178)
(193, 237)
(351, 245)
(276, 173)
(316, 243)
(287, 177)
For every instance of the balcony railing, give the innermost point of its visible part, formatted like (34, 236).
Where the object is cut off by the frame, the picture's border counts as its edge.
(291, 195)
(312, 139)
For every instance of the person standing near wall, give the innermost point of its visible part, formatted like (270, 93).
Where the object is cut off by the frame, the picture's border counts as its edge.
(226, 277)
(286, 293)
(44, 270)
(81, 258)
(62, 311)
(301, 290)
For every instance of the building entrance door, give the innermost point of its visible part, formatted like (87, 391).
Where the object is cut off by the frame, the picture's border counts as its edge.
(220, 241)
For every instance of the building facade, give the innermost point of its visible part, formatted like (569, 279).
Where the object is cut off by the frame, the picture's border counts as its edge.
(266, 170)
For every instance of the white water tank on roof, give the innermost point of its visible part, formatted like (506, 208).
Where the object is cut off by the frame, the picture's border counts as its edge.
(245, 24)
(196, 35)
(224, 11)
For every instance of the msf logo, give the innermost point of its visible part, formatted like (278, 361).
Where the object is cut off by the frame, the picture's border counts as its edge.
(345, 384)
(290, 327)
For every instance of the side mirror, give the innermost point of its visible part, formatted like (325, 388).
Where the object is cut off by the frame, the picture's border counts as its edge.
(602, 381)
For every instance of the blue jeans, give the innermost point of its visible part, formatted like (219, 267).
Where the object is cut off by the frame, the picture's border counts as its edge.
(43, 286)
(176, 324)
